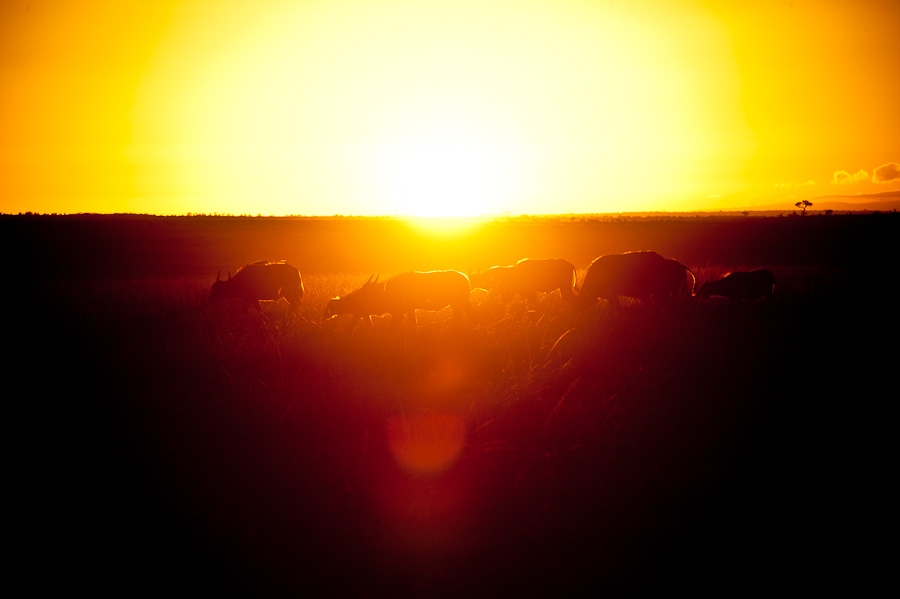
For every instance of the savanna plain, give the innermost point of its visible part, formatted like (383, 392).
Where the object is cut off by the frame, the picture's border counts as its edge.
(161, 444)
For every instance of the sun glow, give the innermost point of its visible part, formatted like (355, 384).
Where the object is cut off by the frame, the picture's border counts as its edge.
(435, 109)
(445, 228)
(444, 107)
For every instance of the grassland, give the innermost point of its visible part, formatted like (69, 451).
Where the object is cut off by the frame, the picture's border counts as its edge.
(162, 446)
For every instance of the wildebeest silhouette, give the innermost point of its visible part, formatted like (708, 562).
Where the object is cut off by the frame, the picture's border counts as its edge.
(257, 281)
(406, 292)
(527, 276)
(639, 275)
(739, 286)
(368, 299)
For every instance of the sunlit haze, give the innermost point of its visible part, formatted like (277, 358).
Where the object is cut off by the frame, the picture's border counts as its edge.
(442, 108)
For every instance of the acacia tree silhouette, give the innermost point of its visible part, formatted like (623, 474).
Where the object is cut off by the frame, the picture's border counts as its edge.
(803, 205)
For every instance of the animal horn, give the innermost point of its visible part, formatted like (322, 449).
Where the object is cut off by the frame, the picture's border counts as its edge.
(370, 278)
(229, 275)
(218, 276)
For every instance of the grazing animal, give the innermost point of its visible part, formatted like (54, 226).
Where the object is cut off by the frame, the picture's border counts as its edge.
(406, 292)
(368, 299)
(527, 277)
(739, 286)
(432, 290)
(257, 281)
(635, 274)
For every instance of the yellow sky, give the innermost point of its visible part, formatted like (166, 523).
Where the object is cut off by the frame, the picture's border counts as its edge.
(436, 107)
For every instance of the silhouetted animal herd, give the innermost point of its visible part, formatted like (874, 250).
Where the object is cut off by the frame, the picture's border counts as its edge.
(643, 275)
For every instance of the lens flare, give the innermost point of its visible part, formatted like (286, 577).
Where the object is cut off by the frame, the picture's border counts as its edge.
(426, 443)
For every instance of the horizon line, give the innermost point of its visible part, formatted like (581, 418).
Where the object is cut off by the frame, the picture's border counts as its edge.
(768, 212)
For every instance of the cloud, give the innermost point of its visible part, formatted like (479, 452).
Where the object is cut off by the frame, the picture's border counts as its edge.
(886, 173)
(843, 177)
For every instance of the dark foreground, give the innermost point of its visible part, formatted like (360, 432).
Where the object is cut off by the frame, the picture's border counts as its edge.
(716, 449)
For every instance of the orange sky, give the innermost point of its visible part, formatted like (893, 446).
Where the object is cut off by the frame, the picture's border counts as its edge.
(444, 107)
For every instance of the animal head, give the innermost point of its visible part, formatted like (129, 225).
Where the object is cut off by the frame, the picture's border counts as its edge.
(705, 289)
(220, 288)
(490, 278)
(334, 306)
(363, 301)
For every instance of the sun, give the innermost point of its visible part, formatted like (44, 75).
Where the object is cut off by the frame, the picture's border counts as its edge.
(444, 170)
(441, 178)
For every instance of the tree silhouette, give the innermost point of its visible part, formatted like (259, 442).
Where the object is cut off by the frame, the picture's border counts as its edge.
(803, 205)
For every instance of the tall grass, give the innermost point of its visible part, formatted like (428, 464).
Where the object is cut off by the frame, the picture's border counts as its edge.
(257, 451)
